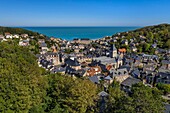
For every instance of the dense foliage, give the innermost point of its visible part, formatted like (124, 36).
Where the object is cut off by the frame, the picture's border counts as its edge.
(16, 31)
(145, 37)
(25, 88)
(142, 99)
(21, 83)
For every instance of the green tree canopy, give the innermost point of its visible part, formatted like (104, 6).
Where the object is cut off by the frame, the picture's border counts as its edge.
(22, 85)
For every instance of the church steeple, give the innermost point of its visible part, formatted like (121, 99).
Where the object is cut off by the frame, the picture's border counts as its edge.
(113, 51)
(113, 48)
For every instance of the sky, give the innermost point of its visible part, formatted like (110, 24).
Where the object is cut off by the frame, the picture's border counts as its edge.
(84, 12)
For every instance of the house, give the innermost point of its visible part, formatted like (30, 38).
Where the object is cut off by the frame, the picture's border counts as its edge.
(160, 51)
(58, 70)
(81, 73)
(43, 47)
(136, 73)
(24, 35)
(154, 45)
(1, 37)
(127, 84)
(45, 64)
(93, 71)
(41, 41)
(119, 74)
(163, 77)
(165, 64)
(23, 42)
(147, 58)
(94, 79)
(108, 79)
(81, 46)
(9, 36)
(73, 63)
(76, 50)
(122, 51)
(15, 36)
(70, 71)
(81, 41)
(133, 49)
(125, 42)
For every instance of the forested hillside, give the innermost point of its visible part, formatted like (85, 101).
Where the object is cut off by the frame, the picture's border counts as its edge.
(145, 37)
(24, 87)
(16, 31)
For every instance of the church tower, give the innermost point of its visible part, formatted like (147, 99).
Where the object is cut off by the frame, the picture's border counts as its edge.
(113, 51)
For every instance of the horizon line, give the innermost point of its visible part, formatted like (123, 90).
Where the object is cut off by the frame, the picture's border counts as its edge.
(74, 26)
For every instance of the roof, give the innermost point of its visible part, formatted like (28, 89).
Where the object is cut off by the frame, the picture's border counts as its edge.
(71, 62)
(58, 69)
(105, 60)
(70, 70)
(130, 81)
(103, 93)
(43, 45)
(108, 78)
(94, 79)
(165, 62)
(128, 67)
(123, 50)
(113, 48)
(167, 108)
(93, 70)
(136, 72)
(119, 72)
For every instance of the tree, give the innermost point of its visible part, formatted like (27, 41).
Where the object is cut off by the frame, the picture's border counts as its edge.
(118, 102)
(146, 99)
(22, 86)
(165, 88)
(72, 95)
(167, 44)
(146, 47)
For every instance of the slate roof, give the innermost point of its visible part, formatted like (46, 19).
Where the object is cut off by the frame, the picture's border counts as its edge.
(164, 77)
(165, 62)
(71, 62)
(119, 72)
(94, 79)
(70, 70)
(58, 70)
(45, 63)
(167, 108)
(130, 81)
(105, 60)
(108, 78)
(43, 44)
(80, 72)
(128, 67)
(103, 93)
(136, 73)
(51, 53)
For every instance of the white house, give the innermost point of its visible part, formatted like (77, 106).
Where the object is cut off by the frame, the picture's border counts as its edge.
(24, 42)
(2, 37)
(24, 35)
(15, 36)
(9, 36)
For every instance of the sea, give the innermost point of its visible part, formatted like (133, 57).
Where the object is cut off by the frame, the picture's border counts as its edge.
(70, 33)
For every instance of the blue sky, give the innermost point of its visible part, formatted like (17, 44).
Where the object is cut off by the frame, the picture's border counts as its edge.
(84, 12)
